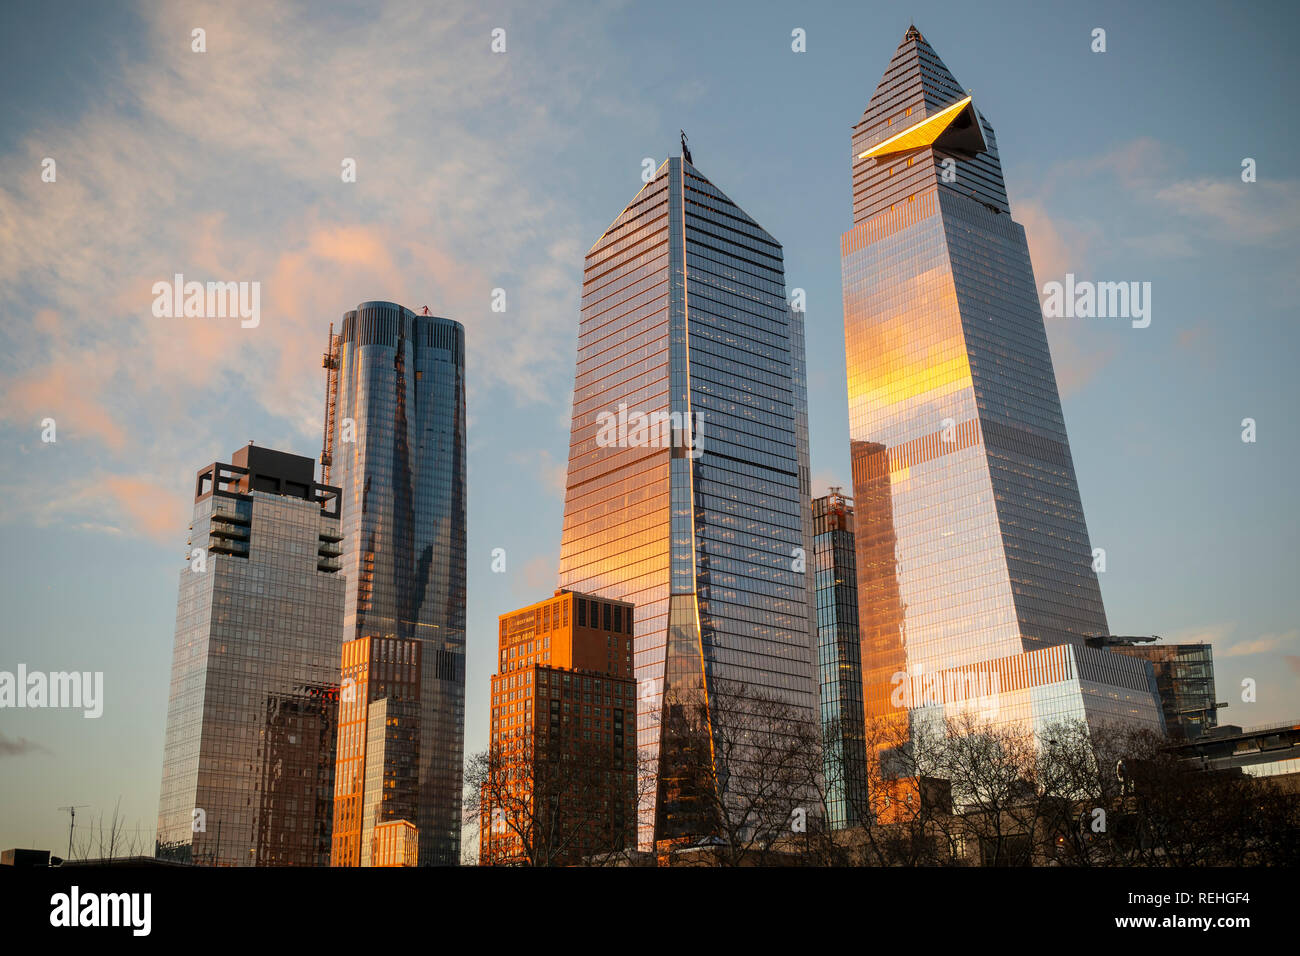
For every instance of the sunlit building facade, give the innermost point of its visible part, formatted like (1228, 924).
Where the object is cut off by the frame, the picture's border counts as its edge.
(248, 762)
(563, 734)
(839, 660)
(688, 491)
(396, 844)
(376, 780)
(973, 558)
(395, 445)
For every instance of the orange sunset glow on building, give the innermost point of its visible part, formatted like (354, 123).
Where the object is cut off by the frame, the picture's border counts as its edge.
(562, 781)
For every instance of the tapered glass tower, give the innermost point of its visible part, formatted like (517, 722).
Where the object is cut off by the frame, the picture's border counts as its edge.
(688, 482)
(975, 571)
(395, 445)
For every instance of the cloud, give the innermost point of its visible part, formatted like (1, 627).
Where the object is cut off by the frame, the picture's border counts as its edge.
(1215, 634)
(11, 747)
(68, 390)
(1142, 176)
(1056, 247)
(1265, 644)
(155, 509)
(1076, 358)
(1228, 210)
(553, 475)
(540, 573)
(225, 166)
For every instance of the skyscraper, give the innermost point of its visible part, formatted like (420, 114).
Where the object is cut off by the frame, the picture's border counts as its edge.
(688, 487)
(973, 557)
(395, 445)
(248, 762)
(839, 660)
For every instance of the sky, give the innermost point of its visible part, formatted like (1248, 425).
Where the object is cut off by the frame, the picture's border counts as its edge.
(481, 170)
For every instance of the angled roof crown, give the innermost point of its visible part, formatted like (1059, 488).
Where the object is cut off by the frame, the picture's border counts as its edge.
(916, 68)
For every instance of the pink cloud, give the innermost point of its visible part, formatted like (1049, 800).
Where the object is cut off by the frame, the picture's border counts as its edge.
(67, 389)
(155, 509)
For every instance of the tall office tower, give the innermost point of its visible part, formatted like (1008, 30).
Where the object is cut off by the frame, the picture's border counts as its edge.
(1184, 681)
(563, 783)
(688, 484)
(395, 445)
(974, 564)
(249, 755)
(376, 782)
(839, 660)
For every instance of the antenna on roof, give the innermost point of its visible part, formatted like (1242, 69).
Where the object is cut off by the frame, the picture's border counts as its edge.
(686, 152)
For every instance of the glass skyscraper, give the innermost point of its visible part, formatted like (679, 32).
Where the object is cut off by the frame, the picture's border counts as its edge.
(976, 580)
(839, 660)
(688, 489)
(395, 446)
(248, 764)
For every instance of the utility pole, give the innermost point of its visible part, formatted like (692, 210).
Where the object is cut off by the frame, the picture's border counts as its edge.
(72, 820)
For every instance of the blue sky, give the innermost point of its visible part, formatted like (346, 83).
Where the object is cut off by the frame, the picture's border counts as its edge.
(479, 170)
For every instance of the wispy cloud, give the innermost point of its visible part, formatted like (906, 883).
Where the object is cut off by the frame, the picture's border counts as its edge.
(248, 188)
(1264, 644)
(552, 474)
(1196, 216)
(20, 747)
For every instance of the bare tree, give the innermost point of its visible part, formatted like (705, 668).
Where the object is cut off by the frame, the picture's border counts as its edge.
(108, 842)
(540, 803)
(742, 775)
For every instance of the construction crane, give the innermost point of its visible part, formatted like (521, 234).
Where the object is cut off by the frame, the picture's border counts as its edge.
(72, 821)
(330, 362)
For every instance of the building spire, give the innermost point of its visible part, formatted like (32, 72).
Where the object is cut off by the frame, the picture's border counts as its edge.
(686, 152)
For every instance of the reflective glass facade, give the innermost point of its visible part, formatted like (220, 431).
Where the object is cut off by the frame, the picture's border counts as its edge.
(971, 542)
(839, 660)
(1185, 681)
(398, 454)
(248, 763)
(684, 316)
